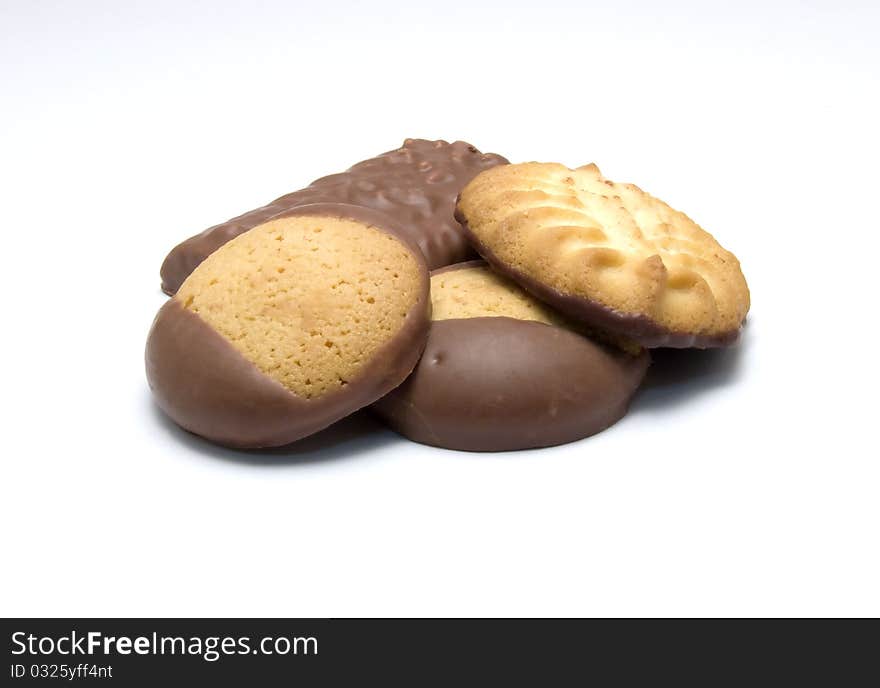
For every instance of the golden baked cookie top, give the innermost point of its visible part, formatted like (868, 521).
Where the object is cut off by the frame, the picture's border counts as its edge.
(308, 300)
(606, 252)
(473, 290)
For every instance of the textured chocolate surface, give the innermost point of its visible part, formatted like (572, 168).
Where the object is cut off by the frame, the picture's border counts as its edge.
(498, 383)
(637, 327)
(416, 185)
(207, 387)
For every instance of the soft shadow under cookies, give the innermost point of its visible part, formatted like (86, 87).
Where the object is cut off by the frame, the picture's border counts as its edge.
(355, 436)
(680, 376)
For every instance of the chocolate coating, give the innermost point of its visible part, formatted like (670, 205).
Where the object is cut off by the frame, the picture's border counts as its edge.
(207, 387)
(498, 383)
(415, 185)
(640, 328)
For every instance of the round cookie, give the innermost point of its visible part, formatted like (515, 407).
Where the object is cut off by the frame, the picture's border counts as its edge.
(605, 253)
(290, 327)
(502, 371)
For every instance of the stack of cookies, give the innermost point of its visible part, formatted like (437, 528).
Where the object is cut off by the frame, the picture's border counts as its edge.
(473, 304)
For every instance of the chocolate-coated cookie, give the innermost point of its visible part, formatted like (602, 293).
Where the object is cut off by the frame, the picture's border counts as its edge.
(290, 326)
(416, 185)
(502, 371)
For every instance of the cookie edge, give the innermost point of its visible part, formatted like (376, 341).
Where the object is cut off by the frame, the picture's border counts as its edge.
(640, 328)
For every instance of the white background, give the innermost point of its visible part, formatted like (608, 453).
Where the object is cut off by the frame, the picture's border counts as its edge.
(743, 482)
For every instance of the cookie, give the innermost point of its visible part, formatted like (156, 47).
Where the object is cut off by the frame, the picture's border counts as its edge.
(606, 253)
(416, 185)
(290, 326)
(502, 371)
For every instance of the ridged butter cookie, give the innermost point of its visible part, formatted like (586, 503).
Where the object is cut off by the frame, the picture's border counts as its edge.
(502, 371)
(606, 253)
(290, 326)
(415, 185)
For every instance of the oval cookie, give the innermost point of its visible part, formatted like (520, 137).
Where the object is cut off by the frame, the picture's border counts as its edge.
(608, 254)
(415, 185)
(290, 327)
(502, 371)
